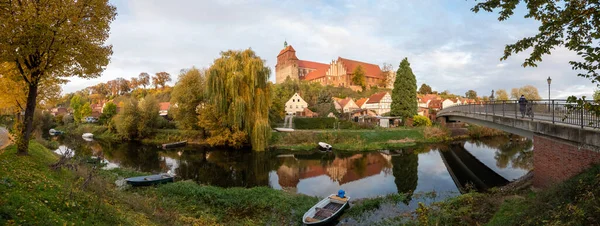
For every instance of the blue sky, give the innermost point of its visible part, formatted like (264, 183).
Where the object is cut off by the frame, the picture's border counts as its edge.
(449, 47)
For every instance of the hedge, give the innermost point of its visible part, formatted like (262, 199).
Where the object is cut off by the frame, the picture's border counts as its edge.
(314, 123)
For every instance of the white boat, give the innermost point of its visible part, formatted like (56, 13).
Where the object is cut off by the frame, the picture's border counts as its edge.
(324, 146)
(284, 129)
(326, 210)
(87, 135)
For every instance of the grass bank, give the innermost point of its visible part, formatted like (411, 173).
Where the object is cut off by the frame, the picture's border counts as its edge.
(361, 140)
(159, 136)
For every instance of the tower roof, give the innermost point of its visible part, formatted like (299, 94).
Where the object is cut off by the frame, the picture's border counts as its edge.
(286, 49)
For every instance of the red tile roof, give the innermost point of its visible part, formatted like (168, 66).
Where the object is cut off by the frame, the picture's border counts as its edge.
(371, 70)
(343, 102)
(361, 101)
(164, 106)
(321, 69)
(288, 48)
(376, 98)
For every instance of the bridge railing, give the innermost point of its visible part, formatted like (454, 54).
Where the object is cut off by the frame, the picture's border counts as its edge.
(555, 111)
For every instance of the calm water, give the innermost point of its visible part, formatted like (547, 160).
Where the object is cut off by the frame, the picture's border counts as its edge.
(445, 169)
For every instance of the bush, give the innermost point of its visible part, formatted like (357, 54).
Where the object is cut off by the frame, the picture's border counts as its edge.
(126, 122)
(314, 123)
(480, 131)
(345, 124)
(436, 133)
(163, 123)
(419, 120)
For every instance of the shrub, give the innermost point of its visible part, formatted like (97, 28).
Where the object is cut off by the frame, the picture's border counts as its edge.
(436, 133)
(314, 123)
(419, 120)
(148, 116)
(126, 122)
(480, 131)
(346, 124)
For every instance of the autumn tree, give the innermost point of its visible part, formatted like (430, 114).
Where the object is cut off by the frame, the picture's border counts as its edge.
(187, 95)
(134, 83)
(404, 94)
(501, 94)
(161, 79)
(77, 106)
(238, 101)
(144, 79)
(13, 90)
(108, 112)
(596, 96)
(425, 89)
(122, 85)
(126, 121)
(572, 24)
(47, 40)
(471, 94)
(388, 74)
(359, 78)
(530, 92)
(148, 116)
(86, 110)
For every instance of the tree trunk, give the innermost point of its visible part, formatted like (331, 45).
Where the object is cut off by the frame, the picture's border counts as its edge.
(23, 141)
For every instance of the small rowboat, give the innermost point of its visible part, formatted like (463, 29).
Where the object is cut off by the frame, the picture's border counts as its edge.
(174, 145)
(284, 129)
(150, 179)
(326, 211)
(324, 146)
(87, 135)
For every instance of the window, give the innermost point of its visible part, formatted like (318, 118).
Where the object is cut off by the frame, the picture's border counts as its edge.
(293, 100)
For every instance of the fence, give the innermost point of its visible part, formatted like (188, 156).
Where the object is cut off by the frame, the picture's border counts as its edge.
(555, 111)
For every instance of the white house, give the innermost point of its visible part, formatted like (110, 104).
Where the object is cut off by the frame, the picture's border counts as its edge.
(345, 105)
(295, 104)
(380, 103)
(450, 102)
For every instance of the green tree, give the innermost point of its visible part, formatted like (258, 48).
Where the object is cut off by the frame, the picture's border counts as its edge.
(471, 94)
(530, 92)
(108, 112)
(148, 116)
(597, 96)
(501, 94)
(425, 89)
(50, 40)
(126, 122)
(76, 105)
(86, 110)
(572, 24)
(238, 95)
(324, 97)
(187, 95)
(359, 78)
(404, 94)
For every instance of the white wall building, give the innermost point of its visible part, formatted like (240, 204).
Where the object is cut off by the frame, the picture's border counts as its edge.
(295, 104)
(380, 103)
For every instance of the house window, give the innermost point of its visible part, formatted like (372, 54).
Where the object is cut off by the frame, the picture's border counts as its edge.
(293, 100)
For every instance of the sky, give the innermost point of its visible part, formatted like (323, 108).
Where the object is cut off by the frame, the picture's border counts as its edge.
(448, 46)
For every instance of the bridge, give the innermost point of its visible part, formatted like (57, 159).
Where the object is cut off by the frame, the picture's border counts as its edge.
(566, 138)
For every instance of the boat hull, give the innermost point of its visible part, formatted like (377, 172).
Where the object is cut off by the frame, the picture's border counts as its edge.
(326, 211)
(324, 146)
(284, 129)
(149, 180)
(175, 145)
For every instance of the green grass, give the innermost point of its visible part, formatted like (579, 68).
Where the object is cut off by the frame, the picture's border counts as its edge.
(366, 205)
(349, 140)
(33, 194)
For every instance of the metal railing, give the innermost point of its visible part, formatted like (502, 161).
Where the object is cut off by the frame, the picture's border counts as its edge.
(555, 111)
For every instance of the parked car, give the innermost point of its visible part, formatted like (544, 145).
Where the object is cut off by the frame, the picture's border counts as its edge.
(91, 119)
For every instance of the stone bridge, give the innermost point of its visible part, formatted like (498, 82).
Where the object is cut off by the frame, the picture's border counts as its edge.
(566, 138)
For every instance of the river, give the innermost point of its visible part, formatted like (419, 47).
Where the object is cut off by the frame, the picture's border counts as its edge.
(446, 169)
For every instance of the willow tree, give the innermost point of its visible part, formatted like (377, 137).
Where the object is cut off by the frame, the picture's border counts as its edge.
(48, 39)
(238, 100)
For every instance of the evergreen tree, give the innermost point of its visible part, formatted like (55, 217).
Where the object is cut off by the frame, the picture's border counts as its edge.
(404, 94)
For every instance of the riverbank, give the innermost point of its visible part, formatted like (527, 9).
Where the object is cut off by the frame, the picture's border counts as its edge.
(73, 192)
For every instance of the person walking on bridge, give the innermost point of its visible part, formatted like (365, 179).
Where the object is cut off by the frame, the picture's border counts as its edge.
(522, 105)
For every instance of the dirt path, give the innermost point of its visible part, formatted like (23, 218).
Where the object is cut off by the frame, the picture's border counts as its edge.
(4, 140)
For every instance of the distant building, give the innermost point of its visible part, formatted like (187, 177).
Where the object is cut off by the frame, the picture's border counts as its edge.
(380, 103)
(164, 108)
(345, 105)
(337, 73)
(360, 103)
(295, 104)
(58, 111)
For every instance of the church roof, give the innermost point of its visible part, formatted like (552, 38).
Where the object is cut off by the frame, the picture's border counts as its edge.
(288, 48)
(371, 70)
(321, 69)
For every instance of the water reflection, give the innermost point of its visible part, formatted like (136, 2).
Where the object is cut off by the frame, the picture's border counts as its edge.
(444, 168)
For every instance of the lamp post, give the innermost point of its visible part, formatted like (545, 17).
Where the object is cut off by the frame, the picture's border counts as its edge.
(549, 81)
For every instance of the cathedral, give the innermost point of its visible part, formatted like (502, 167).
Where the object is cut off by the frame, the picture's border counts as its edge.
(337, 73)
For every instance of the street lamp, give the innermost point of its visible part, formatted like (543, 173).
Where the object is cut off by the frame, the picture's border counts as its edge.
(549, 81)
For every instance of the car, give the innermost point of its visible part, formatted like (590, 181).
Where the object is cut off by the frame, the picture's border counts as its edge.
(91, 119)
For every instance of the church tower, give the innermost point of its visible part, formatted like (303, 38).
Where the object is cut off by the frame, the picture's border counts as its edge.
(287, 64)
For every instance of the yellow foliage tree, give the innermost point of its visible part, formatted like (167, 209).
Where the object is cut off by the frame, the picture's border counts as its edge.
(47, 40)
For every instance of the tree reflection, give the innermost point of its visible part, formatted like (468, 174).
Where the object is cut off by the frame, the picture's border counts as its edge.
(405, 172)
(515, 150)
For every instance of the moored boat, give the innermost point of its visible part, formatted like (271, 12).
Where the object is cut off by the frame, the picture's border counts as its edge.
(150, 179)
(327, 210)
(174, 145)
(87, 135)
(279, 129)
(324, 146)
(54, 132)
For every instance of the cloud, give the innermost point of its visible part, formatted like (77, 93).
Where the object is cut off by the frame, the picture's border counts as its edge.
(449, 47)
